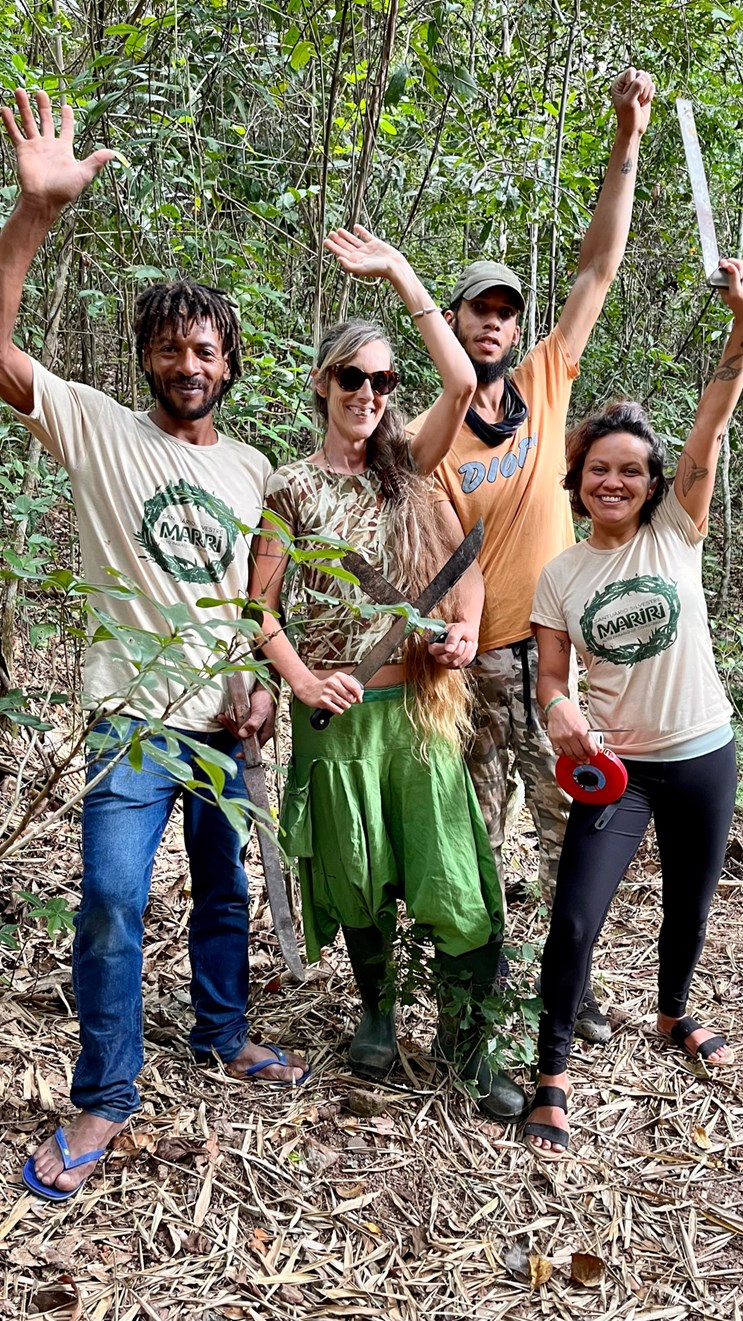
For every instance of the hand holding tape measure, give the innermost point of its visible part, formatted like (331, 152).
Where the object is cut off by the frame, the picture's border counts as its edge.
(600, 778)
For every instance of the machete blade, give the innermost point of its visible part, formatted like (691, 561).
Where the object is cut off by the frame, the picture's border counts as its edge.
(700, 192)
(254, 780)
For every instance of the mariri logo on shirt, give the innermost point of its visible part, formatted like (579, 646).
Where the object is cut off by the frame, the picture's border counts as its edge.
(189, 532)
(632, 620)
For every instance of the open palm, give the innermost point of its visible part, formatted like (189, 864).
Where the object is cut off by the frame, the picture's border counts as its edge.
(362, 254)
(48, 171)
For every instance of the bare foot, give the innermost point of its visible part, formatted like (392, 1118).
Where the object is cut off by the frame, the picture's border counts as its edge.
(292, 1071)
(723, 1054)
(549, 1114)
(84, 1133)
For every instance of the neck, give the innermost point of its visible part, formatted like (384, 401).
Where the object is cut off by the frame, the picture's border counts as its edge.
(196, 431)
(344, 456)
(612, 538)
(488, 400)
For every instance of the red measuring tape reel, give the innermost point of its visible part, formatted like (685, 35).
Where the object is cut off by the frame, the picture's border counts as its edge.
(598, 779)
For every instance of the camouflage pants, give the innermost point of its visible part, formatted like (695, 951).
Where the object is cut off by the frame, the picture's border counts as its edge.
(502, 725)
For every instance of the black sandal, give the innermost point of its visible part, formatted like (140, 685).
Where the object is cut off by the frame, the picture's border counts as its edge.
(685, 1026)
(543, 1096)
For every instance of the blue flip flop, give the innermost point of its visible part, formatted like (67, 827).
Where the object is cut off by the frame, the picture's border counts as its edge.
(47, 1190)
(266, 1064)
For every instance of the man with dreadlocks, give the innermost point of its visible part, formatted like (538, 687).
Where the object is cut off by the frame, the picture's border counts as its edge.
(506, 467)
(154, 495)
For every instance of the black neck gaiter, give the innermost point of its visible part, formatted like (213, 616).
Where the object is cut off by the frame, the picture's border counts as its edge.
(515, 413)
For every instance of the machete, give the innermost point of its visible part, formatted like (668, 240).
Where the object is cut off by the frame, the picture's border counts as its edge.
(705, 221)
(255, 784)
(457, 564)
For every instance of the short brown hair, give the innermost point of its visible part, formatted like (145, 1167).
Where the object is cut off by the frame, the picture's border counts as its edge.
(621, 415)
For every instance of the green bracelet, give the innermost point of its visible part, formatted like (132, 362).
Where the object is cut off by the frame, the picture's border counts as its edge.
(555, 700)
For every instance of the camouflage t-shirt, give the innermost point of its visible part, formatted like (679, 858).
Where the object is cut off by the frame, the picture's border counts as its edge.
(320, 508)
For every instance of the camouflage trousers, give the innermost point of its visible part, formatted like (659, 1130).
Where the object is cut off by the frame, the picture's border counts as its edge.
(503, 726)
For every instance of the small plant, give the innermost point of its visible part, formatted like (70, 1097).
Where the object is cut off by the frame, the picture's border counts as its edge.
(55, 913)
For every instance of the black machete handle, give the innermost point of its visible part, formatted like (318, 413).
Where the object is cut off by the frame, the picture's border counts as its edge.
(320, 718)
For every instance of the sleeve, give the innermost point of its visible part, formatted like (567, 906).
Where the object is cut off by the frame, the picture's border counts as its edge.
(66, 416)
(547, 373)
(672, 516)
(548, 608)
(280, 499)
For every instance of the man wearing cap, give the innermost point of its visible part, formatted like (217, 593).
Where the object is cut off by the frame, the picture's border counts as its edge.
(506, 467)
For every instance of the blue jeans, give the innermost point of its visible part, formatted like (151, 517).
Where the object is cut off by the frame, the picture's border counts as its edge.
(124, 817)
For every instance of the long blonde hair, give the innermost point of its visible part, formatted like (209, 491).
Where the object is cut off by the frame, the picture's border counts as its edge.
(442, 698)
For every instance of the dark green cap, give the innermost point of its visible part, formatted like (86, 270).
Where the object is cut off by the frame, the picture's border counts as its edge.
(482, 275)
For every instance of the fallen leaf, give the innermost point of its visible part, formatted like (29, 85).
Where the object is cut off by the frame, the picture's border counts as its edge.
(178, 1149)
(700, 1138)
(130, 1144)
(58, 1302)
(197, 1244)
(349, 1190)
(586, 1269)
(273, 986)
(290, 1294)
(516, 1260)
(540, 1270)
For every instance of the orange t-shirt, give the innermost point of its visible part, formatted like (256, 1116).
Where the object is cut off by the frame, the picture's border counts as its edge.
(516, 488)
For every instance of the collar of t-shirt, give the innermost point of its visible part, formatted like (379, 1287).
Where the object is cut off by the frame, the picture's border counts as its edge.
(515, 413)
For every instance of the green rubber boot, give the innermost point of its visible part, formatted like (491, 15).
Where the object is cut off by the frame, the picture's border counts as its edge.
(373, 1050)
(465, 983)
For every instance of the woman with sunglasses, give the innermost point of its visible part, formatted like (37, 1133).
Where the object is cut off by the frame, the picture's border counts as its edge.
(379, 806)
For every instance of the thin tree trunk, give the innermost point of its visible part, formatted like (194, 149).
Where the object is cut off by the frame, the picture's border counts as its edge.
(371, 125)
(556, 177)
(323, 197)
(531, 333)
(48, 355)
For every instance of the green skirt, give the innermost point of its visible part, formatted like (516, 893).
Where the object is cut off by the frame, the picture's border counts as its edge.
(370, 823)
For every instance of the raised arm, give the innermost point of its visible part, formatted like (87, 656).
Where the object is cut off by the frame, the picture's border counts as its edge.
(362, 254)
(695, 476)
(606, 237)
(49, 178)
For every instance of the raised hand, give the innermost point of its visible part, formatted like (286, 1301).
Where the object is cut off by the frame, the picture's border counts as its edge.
(733, 295)
(48, 172)
(363, 255)
(632, 94)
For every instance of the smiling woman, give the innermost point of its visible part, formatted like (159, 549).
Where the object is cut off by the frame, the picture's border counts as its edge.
(630, 600)
(379, 806)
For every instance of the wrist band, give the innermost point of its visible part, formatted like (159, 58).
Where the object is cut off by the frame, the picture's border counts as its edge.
(424, 311)
(555, 700)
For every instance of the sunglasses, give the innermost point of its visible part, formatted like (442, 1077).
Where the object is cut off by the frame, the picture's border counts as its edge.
(352, 378)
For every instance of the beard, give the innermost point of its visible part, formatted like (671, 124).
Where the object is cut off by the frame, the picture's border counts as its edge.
(489, 372)
(180, 410)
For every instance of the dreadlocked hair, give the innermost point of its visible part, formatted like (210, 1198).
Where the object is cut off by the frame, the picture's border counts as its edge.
(179, 304)
(442, 698)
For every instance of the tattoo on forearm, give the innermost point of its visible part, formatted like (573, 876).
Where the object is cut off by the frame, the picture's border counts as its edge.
(563, 642)
(730, 368)
(627, 167)
(691, 473)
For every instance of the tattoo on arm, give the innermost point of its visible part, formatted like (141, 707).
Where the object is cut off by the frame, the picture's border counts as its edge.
(563, 642)
(627, 167)
(691, 472)
(730, 368)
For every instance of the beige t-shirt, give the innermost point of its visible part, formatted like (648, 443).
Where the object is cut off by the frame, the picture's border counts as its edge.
(175, 518)
(637, 617)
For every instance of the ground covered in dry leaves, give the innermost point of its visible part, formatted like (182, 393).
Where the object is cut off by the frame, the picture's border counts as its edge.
(230, 1200)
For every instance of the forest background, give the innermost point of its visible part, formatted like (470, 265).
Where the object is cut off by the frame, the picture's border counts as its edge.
(246, 132)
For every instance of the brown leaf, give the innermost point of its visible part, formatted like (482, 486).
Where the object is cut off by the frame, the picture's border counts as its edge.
(700, 1138)
(58, 1302)
(586, 1269)
(130, 1144)
(197, 1244)
(178, 1149)
(540, 1270)
(273, 986)
(291, 1294)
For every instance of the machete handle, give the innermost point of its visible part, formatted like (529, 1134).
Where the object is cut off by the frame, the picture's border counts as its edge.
(320, 718)
(238, 695)
(719, 279)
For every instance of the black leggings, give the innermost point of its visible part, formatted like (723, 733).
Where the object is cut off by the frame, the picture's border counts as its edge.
(692, 805)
